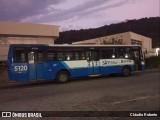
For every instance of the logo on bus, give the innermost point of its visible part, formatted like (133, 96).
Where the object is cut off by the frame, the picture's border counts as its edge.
(106, 62)
(21, 68)
(110, 62)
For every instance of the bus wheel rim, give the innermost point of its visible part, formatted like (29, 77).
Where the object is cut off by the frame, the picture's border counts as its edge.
(62, 77)
(126, 71)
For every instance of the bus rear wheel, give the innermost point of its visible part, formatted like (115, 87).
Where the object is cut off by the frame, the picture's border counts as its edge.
(126, 71)
(62, 77)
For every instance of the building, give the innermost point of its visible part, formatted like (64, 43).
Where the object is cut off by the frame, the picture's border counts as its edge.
(128, 38)
(25, 33)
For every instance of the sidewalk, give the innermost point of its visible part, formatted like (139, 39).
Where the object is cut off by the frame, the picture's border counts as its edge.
(152, 70)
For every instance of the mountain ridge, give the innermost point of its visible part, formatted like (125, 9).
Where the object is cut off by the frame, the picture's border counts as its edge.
(149, 27)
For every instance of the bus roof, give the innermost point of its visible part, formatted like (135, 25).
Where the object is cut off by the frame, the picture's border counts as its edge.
(70, 45)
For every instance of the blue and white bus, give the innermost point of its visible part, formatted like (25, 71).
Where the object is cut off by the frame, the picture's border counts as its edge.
(62, 62)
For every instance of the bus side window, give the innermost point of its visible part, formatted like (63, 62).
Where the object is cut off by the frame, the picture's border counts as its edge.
(20, 56)
(121, 53)
(51, 56)
(82, 56)
(69, 56)
(59, 56)
(40, 57)
(95, 55)
(77, 55)
(108, 53)
(88, 55)
(128, 54)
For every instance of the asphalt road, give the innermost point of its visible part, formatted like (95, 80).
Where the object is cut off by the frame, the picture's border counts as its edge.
(139, 92)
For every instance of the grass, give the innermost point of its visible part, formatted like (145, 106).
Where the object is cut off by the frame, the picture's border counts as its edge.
(153, 62)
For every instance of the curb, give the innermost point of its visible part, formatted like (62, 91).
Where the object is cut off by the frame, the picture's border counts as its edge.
(152, 70)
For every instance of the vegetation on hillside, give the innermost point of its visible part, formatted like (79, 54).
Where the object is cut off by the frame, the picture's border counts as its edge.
(153, 62)
(149, 27)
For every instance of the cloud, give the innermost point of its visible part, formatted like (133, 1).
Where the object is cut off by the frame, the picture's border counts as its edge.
(63, 14)
(15, 10)
(86, 8)
(70, 14)
(42, 11)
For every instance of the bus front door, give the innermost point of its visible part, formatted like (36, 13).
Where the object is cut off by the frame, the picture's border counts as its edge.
(40, 65)
(36, 65)
(93, 62)
(32, 65)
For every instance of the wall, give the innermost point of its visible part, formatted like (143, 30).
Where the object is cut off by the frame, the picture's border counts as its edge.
(127, 37)
(45, 40)
(14, 28)
(29, 40)
(25, 33)
(146, 42)
(124, 36)
(3, 52)
(21, 40)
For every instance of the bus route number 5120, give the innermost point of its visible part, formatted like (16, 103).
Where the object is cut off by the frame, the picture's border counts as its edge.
(21, 68)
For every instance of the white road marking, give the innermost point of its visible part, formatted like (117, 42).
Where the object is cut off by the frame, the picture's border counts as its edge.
(119, 102)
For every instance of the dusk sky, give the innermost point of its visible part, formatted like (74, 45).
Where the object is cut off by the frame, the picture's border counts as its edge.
(77, 14)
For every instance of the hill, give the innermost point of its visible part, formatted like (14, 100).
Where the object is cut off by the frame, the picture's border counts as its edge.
(149, 27)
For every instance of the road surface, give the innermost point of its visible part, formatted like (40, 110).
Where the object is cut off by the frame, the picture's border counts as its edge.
(139, 92)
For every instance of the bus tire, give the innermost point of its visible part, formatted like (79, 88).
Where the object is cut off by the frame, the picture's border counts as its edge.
(126, 71)
(62, 76)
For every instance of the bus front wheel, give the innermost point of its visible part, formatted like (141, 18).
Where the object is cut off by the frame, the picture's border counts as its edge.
(126, 71)
(62, 77)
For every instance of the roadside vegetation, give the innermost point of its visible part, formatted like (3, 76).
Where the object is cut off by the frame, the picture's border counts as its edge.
(153, 62)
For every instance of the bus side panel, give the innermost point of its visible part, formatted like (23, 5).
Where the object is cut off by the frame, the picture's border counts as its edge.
(110, 70)
(50, 72)
(51, 69)
(21, 71)
(32, 71)
(10, 64)
(79, 72)
(96, 70)
(110, 66)
(11, 71)
(77, 68)
(113, 66)
(143, 66)
(40, 71)
(90, 70)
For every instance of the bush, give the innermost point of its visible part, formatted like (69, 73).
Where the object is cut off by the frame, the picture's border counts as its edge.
(152, 62)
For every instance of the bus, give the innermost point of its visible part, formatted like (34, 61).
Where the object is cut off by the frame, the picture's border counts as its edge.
(61, 62)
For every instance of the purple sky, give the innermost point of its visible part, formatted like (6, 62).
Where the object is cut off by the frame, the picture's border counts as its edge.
(77, 14)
